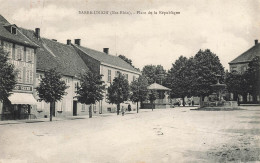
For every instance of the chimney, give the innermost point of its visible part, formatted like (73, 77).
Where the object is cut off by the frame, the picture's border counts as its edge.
(106, 50)
(54, 40)
(256, 42)
(68, 42)
(37, 33)
(77, 41)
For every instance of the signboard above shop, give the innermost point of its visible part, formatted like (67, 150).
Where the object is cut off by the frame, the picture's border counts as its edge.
(23, 88)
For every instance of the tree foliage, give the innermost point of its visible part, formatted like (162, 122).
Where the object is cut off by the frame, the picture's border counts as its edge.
(7, 76)
(52, 88)
(180, 77)
(206, 65)
(91, 88)
(153, 95)
(252, 75)
(243, 83)
(118, 91)
(129, 61)
(139, 91)
(154, 74)
(236, 83)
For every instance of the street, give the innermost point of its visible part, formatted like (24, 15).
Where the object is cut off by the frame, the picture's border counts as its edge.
(163, 135)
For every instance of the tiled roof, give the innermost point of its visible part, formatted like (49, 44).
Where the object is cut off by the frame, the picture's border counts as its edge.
(156, 86)
(107, 58)
(18, 38)
(248, 55)
(53, 54)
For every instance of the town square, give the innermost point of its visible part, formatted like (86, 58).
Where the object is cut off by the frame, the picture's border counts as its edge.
(125, 81)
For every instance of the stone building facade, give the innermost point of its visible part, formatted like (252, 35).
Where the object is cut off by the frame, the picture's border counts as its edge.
(22, 54)
(240, 65)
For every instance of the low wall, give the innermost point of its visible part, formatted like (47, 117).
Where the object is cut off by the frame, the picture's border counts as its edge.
(219, 104)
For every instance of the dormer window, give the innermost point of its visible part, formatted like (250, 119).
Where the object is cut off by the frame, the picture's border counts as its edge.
(13, 30)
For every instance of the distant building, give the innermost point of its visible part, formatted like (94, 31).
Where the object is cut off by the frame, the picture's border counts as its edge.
(163, 100)
(21, 52)
(66, 60)
(240, 65)
(109, 66)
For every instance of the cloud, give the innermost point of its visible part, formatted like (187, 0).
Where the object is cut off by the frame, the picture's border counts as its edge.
(228, 28)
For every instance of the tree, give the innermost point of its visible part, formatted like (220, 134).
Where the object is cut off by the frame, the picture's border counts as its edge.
(52, 88)
(154, 74)
(207, 66)
(153, 95)
(236, 84)
(7, 76)
(180, 78)
(91, 89)
(139, 91)
(129, 61)
(118, 91)
(252, 76)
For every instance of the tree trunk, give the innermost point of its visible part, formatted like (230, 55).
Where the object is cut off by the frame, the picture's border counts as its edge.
(255, 99)
(90, 111)
(118, 108)
(183, 102)
(152, 106)
(245, 98)
(238, 102)
(51, 110)
(137, 108)
(201, 105)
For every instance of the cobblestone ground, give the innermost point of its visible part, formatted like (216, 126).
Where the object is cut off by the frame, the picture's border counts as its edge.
(169, 135)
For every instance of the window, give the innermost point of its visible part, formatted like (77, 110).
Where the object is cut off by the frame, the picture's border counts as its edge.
(109, 76)
(126, 76)
(76, 86)
(19, 51)
(13, 30)
(8, 48)
(243, 69)
(29, 55)
(83, 107)
(19, 76)
(29, 76)
(133, 78)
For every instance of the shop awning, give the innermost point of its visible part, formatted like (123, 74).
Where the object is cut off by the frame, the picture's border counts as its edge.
(22, 98)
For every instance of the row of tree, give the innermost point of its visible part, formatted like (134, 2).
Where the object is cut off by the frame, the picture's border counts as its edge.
(194, 76)
(188, 76)
(91, 90)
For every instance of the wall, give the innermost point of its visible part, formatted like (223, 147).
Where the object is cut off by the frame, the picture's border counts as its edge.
(65, 106)
(24, 60)
(92, 64)
(239, 67)
(106, 107)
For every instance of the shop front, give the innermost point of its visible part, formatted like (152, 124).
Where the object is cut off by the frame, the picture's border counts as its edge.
(18, 106)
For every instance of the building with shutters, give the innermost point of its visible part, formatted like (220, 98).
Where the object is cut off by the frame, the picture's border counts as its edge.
(22, 54)
(109, 66)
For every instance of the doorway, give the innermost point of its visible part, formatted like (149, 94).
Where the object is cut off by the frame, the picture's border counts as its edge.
(75, 108)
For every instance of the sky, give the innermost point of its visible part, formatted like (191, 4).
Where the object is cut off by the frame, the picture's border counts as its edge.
(227, 28)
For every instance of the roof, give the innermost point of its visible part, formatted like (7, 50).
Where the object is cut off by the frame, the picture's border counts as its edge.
(248, 55)
(53, 54)
(156, 86)
(107, 58)
(18, 38)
